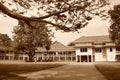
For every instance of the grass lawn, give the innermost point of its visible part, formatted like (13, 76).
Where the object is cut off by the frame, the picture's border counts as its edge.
(110, 70)
(9, 71)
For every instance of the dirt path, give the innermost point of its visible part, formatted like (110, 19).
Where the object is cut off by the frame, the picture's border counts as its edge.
(67, 72)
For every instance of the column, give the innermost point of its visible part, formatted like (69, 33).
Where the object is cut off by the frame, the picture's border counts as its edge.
(13, 55)
(80, 58)
(76, 58)
(36, 57)
(42, 56)
(9, 58)
(23, 57)
(19, 57)
(91, 58)
(9, 55)
(56, 56)
(65, 56)
(53, 56)
(4, 55)
(48, 56)
(71, 57)
(59, 56)
(87, 58)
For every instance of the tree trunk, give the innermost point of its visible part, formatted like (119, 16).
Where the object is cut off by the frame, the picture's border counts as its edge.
(31, 58)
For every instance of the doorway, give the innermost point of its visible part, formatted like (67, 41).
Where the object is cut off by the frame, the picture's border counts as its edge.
(84, 58)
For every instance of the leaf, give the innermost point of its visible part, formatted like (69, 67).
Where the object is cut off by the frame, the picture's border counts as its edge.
(88, 18)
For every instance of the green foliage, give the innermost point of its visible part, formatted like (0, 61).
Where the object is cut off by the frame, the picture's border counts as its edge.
(27, 39)
(114, 29)
(5, 40)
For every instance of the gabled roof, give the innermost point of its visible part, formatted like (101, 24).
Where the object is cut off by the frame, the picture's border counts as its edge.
(56, 46)
(93, 39)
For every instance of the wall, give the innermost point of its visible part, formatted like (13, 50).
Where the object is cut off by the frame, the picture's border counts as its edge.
(89, 51)
(111, 54)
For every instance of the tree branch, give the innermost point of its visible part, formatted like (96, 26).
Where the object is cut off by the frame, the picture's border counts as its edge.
(14, 15)
(56, 13)
(65, 28)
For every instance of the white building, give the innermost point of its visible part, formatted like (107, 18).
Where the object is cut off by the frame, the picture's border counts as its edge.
(6, 53)
(57, 52)
(96, 48)
(85, 49)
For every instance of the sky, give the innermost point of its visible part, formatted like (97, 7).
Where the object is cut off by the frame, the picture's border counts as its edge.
(96, 27)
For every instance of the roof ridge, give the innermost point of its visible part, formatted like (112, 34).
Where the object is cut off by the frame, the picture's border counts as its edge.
(59, 43)
(98, 38)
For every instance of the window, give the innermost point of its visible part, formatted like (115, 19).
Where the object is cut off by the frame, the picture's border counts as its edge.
(118, 49)
(111, 50)
(83, 50)
(98, 50)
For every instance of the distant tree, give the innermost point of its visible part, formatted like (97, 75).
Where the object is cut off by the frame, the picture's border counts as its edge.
(114, 29)
(27, 39)
(71, 44)
(5, 40)
(66, 15)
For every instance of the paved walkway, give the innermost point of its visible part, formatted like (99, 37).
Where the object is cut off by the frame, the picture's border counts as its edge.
(83, 71)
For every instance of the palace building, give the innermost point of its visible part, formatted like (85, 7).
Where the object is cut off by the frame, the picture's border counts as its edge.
(85, 49)
(96, 48)
(6, 53)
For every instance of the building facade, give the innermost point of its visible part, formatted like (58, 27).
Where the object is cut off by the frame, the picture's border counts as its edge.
(57, 52)
(6, 53)
(85, 49)
(96, 48)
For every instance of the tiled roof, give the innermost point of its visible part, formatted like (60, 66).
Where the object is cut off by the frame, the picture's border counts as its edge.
(93, 39)
(56, 46)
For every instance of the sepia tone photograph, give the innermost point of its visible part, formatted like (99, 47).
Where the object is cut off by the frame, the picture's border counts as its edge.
(59, 40)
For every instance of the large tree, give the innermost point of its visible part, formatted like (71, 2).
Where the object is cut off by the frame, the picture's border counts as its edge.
(27, 39)
(5, 40)
(114, 29)
(67, 15)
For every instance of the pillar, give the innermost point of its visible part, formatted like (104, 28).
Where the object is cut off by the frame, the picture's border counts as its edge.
(65, 57)
(42, 56)
(4, 55)
(9, 55)
(80, 58)
(13, 55)
(9, 58)
(87, 58)
(19, 57)
(76, 58)
(48, 56)
(56, 56)
(59, 56)
(23, 57)
(53, 57)
(71, 57)
(91, 58)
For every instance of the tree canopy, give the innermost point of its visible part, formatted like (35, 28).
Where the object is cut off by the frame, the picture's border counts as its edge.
(67, 15)
(5, 40)
(27, 39)
(114, 29)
